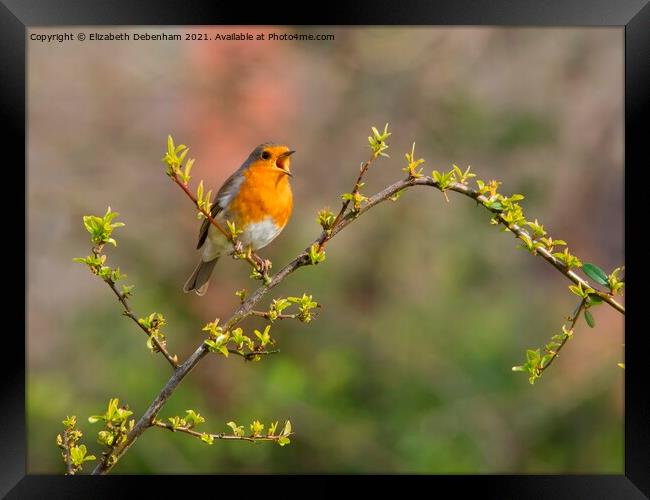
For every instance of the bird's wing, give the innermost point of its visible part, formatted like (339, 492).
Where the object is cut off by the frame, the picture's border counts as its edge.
(226, 192)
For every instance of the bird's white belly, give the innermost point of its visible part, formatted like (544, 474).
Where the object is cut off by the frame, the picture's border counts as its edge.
(257, 234)
(260, 234)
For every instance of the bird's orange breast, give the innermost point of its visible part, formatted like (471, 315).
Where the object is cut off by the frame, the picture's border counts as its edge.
(264, 193)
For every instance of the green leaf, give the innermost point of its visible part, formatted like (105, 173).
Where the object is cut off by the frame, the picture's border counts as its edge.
(194, 418)
(283, 441)
(533, 356)
(316, 255)
(199, 194)
(590, 319)
(595, 299)
(177, 422)
(326, 219)
(257, 428)
(580, 292)
(614, 282)
(378, 141)
(77, 454)
(92, 223)
(397, 195)
(70, 422)
(170, 145)
(545, 360)
(595, 273)
(207, 438)
(188, 168)
(105, 438)
(112, 408)
(413, 164)
(238, 337)
(234, 232)
(237, 430)
(264, 337)
(181, 158)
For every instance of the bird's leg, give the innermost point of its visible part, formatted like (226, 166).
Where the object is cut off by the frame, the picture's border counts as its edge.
(238, 248)
(263, 264)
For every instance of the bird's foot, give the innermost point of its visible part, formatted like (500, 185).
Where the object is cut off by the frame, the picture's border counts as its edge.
(263, 265)
(239, 247)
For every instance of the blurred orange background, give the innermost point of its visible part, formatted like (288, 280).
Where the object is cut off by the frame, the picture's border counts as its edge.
(426, 306)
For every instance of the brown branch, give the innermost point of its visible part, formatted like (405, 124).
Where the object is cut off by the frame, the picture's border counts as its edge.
(222, 436)
(68, 459)
(129, 314)
(357, 185)
(246, 308)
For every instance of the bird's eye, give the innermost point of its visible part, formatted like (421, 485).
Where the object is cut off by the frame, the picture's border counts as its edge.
(266, 155)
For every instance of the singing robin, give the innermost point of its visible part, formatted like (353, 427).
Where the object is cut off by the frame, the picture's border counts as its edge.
(257, 198)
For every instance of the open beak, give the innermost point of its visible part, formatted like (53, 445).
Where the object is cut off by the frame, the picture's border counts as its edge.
(281, 161)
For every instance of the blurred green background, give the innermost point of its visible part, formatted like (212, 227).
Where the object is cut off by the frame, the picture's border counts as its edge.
(426, 305)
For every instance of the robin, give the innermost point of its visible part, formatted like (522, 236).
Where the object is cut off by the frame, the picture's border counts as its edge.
(257, 198)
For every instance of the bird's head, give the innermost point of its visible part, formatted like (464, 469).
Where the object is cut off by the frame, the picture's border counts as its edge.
(272, 156)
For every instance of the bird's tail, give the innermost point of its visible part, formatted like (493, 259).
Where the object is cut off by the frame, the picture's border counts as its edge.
(200, 278)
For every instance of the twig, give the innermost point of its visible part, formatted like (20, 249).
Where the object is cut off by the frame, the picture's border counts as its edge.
(225, 437)
(357, 185)
(129, 314)
(265, 315)
(556, 353)
(250, 355)
(246, 308)
(68, 460)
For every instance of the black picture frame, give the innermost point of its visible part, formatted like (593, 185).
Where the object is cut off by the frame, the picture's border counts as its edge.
(634, 15)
